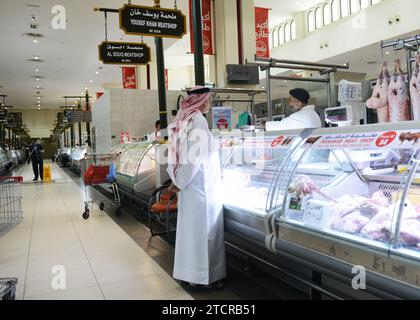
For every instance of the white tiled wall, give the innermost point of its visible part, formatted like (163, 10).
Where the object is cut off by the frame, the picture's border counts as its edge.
(135, 111)
(101, 120)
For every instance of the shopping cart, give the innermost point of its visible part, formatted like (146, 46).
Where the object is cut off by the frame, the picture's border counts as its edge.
(8, 289)
(11, 213)
(95, 170)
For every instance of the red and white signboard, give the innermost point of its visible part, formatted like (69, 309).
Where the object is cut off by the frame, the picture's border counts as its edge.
(370, 140)
(262, 32)
(125, 137)
(99, 94)
(129, 77)
(206, 18)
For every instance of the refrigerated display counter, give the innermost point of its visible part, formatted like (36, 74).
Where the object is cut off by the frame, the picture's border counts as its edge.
(136, 169)
(14, 157)
(249, 160)
(77, 156)
(342, 214)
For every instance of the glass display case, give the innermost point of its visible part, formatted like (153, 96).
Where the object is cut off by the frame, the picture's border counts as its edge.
(249, 161)
(136, 166)
(79, 154)
(354, 194)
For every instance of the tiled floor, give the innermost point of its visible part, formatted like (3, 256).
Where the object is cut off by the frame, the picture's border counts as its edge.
(100, 260)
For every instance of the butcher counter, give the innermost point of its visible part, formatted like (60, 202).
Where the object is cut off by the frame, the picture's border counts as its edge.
(334, 212)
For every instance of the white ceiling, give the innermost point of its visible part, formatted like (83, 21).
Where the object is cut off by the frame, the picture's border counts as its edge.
(71, 55)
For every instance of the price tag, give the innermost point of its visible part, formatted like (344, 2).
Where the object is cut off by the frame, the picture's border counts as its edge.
(315, 213)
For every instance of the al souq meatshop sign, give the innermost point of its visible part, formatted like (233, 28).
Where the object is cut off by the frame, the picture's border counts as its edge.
(152, 21)
(124, 53)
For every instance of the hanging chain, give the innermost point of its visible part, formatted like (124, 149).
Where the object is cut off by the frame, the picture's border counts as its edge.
(106, 26)
(175, 5)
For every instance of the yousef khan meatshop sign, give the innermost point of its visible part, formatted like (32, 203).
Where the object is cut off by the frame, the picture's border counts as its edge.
(152, 21)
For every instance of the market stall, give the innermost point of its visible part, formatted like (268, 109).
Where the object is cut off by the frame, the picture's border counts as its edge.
(344, 197)
(136, 170)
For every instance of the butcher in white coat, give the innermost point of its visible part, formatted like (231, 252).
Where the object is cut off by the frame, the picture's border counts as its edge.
(304, 116)
(194, 168)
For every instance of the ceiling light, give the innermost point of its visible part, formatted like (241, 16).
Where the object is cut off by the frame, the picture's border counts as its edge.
(39, 108)
(97, 72)
(36, 58)
(86, 88)
(36, 70)
(91, 81)
(37, 79)
(387, 52)
(37, 87)
(35, 41)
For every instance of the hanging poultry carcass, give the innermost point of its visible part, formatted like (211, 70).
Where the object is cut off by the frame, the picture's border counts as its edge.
(379, 99)
(398, 96)
(415, 90)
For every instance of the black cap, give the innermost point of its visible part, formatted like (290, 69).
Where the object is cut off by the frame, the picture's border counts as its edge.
(301, 94)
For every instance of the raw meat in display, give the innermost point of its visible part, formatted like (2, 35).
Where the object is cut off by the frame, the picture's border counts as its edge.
(303, 185)
(378, 228)
(410, 232)
(397, 96)
(379, 99)
(352, 223)
(344, 206)
(415, 90)
(379, 199)
(350, 203)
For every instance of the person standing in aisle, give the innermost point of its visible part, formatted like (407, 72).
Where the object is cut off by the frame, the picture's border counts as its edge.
(36, 156)
(194, 169)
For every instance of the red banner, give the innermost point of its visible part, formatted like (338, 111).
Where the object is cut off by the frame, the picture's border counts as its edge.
(167, 79)
(99, 94)
(129, 77)
(206, 19)
(262, 32)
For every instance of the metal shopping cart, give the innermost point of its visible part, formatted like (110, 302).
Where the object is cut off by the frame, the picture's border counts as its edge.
(8, 289)
(11, 213)
(95, 171)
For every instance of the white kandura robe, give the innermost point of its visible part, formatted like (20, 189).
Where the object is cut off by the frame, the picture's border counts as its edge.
(199, 248)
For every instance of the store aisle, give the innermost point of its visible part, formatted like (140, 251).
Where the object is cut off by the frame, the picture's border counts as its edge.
(93, 259)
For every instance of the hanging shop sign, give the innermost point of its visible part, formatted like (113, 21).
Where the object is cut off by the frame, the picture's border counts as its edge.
(3, 113)
(129, 77)
(76, 116)
(17, 118)
(124, 53)
(206, 18)
(152, 21)
(262, 32)
(222, 118)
